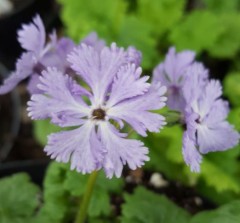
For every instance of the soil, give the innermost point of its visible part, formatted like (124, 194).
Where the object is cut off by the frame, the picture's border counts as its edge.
(185, 197)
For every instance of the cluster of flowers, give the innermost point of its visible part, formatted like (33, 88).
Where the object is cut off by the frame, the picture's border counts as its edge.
(97, 92)
(197, 98)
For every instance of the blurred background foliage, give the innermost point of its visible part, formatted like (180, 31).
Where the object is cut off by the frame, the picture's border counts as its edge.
(209, 27)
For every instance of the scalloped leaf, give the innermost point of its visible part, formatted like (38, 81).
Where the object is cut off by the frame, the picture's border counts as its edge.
(146, 44)
(203, 36)
(216, 177)
(229, 213)
(19, 199)
(82, 17)
(144, 206)
(57, 203)
(164, 13)
(228, 42)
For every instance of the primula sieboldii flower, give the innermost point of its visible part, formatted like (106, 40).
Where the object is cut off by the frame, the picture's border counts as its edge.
(39, 54)
(172, 73)
(197, 98)
(117, 96)
(205, 117)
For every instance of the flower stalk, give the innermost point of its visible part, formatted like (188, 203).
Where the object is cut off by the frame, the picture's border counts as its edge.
(84, 204)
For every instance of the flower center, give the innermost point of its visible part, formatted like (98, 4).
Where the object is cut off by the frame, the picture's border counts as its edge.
(38, 68)
(98, 114)
(173, 90)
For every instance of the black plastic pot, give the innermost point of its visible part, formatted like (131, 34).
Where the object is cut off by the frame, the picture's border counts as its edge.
(10, 118)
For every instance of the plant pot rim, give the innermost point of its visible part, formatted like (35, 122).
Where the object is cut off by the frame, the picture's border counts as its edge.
(15, 122)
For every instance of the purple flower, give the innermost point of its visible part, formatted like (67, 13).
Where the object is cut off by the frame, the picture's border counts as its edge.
(118, 96)
(40, 54)
(172, 74)
(205, 117)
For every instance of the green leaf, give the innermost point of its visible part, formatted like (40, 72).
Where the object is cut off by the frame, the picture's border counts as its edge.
(43, 217)
(63, 189)
(76, 183)
(147, 207)
(100, 220)
(225, 160)
(228, 42)
(146, 44)
(42, 128)
(198, 31)
(57, 201)
(174, 136)
(111, 21)
(218, 178)
(81, 17)
(161, 15)
(19, 199)
(212, 195)
(229, 213)
(232, 88)
(222, 5)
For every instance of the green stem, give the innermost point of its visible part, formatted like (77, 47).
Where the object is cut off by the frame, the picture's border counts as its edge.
(173, 117)
(82, 212)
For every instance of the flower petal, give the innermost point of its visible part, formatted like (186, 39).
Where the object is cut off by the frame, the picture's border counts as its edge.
(190, 154)
(127, 84)
(32, 36)
(80, 146)
(218, 112)
(56, 53)
(120, 151)
(175, 99)
(24, 68)
(195, 81)
(176, 63)
(32, 84)
(174, 67)
(213, 90)
(135, 111)
(97, 69)
(10, 83)
(59, 99)
(217, 137)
